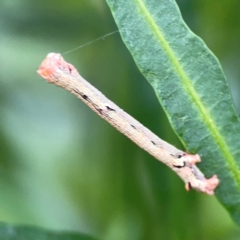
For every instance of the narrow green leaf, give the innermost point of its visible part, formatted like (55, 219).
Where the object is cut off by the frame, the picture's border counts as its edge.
(190, 85)
(12, 232)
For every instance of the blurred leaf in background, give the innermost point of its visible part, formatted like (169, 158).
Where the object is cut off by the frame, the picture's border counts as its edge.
(12, 232)
(62, 167)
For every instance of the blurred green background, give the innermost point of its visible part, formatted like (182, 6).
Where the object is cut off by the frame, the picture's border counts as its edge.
(64, 168)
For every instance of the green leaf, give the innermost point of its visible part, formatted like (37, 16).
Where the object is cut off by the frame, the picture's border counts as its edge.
(12, 232)
(190, 85)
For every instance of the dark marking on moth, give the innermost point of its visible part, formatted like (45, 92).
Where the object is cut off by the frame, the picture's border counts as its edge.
(189, 185)
(99, 110)
(77, 92)
(176, 156)
(153, 142)
(177, 166)
(110, 109)
(70, 69)
(133, 126)
(85, 97)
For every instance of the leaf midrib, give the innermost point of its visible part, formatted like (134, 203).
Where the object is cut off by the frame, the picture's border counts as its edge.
(206, 116)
